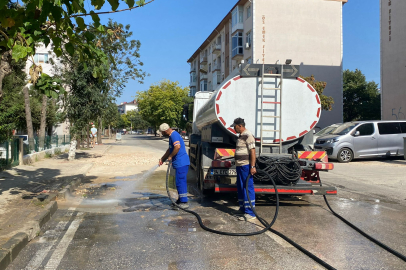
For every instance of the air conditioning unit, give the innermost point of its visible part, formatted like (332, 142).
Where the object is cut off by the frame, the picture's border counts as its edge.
(247, 45)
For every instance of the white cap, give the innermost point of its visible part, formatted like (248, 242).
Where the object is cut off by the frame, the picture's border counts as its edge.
(93, 125)
(163, 127)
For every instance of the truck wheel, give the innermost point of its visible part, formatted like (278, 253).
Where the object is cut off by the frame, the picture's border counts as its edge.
(345, 155)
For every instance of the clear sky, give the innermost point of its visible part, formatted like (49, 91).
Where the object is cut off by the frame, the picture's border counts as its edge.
(171, 30)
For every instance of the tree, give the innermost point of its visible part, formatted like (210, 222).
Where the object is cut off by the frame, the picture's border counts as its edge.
(137, 121)
(47, 87)
(162, 102)
(319, 86)
(12, 106)
(90, 98)
(362, 100)
(22, 27)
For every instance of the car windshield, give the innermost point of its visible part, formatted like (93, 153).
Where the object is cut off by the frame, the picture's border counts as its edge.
(344, 128)
(326, 130)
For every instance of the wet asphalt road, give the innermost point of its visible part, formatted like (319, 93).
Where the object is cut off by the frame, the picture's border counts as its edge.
(133, 227)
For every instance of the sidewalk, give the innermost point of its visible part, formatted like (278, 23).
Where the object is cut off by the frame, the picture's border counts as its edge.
(28, 194)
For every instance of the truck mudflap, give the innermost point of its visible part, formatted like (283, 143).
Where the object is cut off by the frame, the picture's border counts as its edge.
(299, 189)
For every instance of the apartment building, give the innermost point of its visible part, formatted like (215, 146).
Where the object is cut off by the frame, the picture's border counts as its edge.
(264, 31)
(42, 57)
(125, 107)
(393, 59)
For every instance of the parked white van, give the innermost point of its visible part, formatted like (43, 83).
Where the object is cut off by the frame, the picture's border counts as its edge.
(364, 139)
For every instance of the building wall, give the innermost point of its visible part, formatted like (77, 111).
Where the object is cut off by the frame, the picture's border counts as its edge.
(308, 32)
(393, 59)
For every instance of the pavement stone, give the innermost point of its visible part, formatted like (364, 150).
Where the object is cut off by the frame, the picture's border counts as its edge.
(21, 213)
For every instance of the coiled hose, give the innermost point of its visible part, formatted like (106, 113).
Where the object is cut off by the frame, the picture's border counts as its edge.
(283, 170)
(264, 222)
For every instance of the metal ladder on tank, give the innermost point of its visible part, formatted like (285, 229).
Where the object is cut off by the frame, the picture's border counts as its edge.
(276, 116)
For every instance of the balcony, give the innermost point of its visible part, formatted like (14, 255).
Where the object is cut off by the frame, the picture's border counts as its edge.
(203, 77)
(216, 49)
(216, 68)
(203, 68)
(193, 70)
(203, 60)
(193, 84)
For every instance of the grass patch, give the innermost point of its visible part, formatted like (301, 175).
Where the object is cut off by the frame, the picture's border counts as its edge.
(57, 151)
(39, 203)
(85, 148)
(48, 154)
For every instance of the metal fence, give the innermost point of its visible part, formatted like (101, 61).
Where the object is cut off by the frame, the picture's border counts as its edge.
(9, 150)
(9, 154)
(39, 144)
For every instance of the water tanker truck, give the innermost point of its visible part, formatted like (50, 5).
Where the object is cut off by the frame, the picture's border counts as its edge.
(280, 109)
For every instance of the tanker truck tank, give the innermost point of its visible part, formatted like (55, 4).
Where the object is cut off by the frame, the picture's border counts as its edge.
(240, 96)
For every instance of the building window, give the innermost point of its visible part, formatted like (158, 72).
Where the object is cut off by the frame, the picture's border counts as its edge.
(248, 38)
(237, 44)
(248, 12)
(240, 15)
(237, 16)
(210, 67)
(227, 62)
(41, 58)
(249, 60)
(234, 18)
(203, 85)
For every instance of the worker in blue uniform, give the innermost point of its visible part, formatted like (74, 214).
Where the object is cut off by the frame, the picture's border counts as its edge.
(180, 162)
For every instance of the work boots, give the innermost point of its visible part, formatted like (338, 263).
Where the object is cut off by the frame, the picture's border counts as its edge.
(180, 204)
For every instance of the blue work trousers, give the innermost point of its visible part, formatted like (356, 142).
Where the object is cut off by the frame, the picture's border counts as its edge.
(181, 183)
(242, 174)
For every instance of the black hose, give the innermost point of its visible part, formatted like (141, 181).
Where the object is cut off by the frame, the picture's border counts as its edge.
(283, 170)
(382, 245)
(199, 219)
(264, 222)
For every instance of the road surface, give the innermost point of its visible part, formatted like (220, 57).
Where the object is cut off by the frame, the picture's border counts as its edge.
(125, 222)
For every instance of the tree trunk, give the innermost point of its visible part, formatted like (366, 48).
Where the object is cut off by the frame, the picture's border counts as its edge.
(28, 117)
(43, 121)
(109, 132)
(5, 69)
(72, 149)
(99, 131)
(88, 136)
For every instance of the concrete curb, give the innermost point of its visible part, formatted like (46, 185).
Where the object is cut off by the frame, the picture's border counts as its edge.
(10, 250)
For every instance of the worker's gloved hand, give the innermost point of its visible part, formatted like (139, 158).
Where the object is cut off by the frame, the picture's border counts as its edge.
(160, 162)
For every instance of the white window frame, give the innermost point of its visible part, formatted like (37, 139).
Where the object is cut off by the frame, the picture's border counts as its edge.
(44, 56)
(237, 48)
(248, 37)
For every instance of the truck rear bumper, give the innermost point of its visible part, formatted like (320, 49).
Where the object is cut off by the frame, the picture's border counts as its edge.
(285, 190)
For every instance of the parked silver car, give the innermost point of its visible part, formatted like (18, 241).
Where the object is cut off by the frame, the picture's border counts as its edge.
(364, 139)
(325, 131)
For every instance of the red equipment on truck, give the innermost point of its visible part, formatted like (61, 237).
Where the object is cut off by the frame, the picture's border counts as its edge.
(280, 109)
